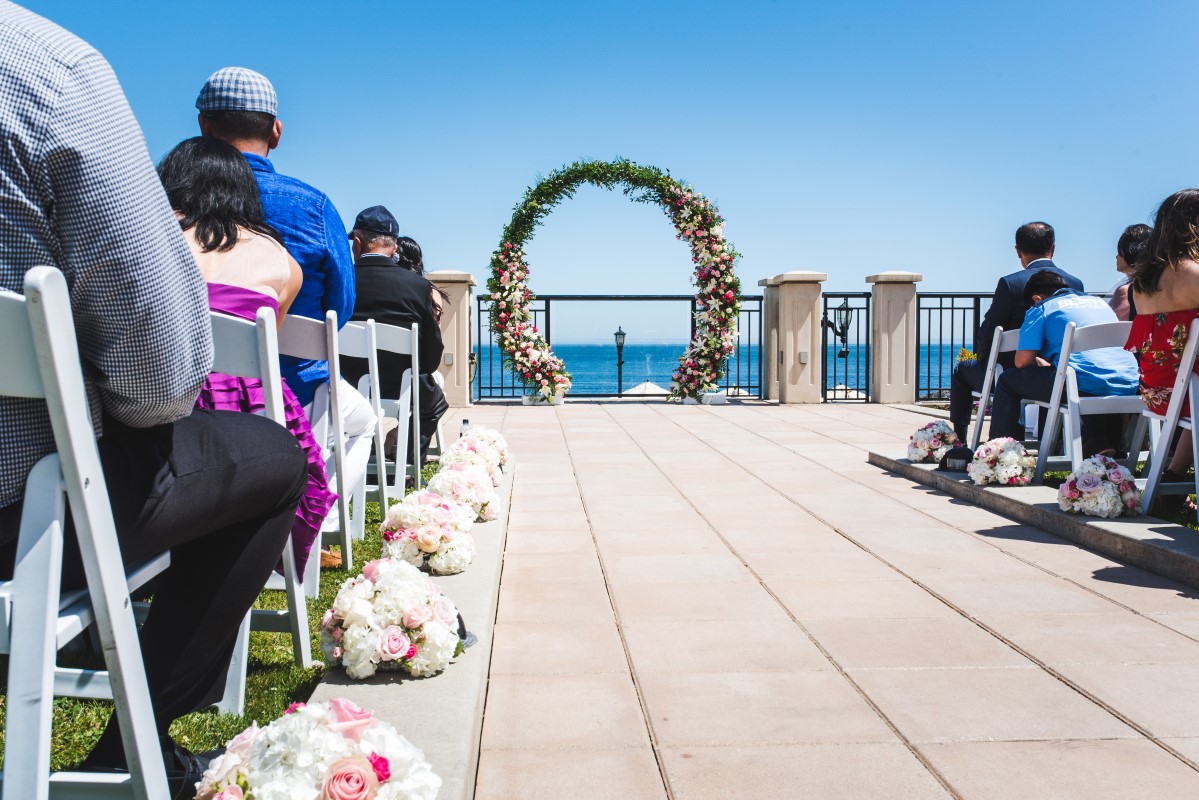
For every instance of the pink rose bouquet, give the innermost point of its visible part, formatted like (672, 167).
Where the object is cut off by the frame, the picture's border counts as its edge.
(1099, 488)
(931, 442)
(391, 617)
(465, 481)
(1002, 461)
(325, 751)
(426, 529)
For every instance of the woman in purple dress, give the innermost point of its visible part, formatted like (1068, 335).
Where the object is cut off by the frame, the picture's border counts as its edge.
(215, 196)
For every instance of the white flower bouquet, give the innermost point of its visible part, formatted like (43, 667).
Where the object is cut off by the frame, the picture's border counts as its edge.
(466, 482)
(427, 529)
(485, 458)
(1099, 488)
(931, 442)
(494, 438)
(323, 751)
(1002, 461)
(390, 617)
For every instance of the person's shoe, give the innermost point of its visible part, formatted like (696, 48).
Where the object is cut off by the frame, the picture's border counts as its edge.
(330, 560)
(188, 770)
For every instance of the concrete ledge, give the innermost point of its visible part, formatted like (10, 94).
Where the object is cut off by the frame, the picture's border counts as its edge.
(1165, 549)
(443, 714)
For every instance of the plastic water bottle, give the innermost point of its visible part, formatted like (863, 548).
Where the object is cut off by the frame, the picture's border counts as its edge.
(465, 429)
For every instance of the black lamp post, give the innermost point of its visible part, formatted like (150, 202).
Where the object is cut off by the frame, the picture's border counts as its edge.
(839, 325)
(620, 334)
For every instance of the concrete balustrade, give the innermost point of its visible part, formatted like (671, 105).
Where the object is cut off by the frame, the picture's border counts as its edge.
(456, 326)
(893, 336)
(793, 367)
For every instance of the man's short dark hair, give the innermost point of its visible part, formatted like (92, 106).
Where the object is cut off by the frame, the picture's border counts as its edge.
(374, 238)
(1035, 239)
(255, 125)
(1043, 282)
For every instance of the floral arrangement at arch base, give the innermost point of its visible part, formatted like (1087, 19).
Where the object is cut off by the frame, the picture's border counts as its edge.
(931, 442)
(1100, 488)
(322, 751)
(1002, 461)
(696, 221)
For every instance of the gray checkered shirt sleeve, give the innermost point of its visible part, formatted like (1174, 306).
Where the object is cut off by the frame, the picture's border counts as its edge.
(79, 192)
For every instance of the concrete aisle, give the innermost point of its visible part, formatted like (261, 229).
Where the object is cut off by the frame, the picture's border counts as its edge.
(730, 603)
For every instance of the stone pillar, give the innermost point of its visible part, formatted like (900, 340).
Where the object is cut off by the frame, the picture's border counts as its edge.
(457, 328)
(798, 362)
(893, 336)
(770, 340)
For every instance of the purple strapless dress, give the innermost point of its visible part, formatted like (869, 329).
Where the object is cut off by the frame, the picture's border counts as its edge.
(226, 393)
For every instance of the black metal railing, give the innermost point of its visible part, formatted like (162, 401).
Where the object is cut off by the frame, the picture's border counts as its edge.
(945, 323)
(593, 366)
(845, 344)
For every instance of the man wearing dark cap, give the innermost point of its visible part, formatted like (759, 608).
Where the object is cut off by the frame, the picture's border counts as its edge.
(239, 106)
(392, 295)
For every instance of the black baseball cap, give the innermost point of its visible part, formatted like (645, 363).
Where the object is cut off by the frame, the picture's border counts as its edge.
(377, 219)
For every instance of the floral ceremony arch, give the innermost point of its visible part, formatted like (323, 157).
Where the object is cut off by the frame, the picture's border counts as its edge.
(696, 221)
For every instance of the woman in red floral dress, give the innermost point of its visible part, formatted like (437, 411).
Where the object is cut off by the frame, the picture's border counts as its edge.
(1165, 279)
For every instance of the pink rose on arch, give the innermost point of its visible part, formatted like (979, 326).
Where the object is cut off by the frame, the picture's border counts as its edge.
(351, 778)
(1088, 483)
(417, 616)
(394, 644)
(350, 719)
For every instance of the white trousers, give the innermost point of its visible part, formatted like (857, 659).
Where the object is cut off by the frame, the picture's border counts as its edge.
(358, 426)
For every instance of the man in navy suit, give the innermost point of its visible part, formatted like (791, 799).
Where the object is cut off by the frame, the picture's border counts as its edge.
(1034, 247)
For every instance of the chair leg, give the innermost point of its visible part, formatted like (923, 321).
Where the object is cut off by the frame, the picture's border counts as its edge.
(1075, 438)
(312, 571)
(234, 699)
(297, 608)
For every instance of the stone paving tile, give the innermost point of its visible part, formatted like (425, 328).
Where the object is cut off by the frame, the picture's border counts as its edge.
(851, 563)
(562, 711)
(746, 708)
(912, 643)
(551, 539)
(637, 568)
(731, 602)
(985, 703)
(1063, 770)
(1117, 637)
(577, 774)
(858, 599)
(703, 646)
(572, 567)
(540, 648)
(1143, 591)
(983, 597)
(554, 602)
(809, 771)
(1189, 747)
(1185, 623)
(1158, 697)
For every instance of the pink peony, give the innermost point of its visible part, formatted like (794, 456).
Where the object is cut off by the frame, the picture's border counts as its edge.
(417, 616)
(351, 778)
(350, 719)
(394, 643)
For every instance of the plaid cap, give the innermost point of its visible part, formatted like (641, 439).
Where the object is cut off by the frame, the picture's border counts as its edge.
(238, 89)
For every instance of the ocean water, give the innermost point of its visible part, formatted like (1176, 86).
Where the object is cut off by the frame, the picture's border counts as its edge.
(593, 368)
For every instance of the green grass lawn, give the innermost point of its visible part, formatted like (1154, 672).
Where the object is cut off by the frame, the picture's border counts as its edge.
(273, 680)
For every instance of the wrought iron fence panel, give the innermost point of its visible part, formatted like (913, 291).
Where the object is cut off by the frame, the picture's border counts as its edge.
(492, 380)
(946, 322)
(845, 346)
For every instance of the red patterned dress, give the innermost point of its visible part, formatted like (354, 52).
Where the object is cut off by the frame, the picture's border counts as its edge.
(1158, 341)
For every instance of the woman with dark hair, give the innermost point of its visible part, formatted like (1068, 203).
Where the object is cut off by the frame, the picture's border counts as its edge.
(1165, 278)
(1128, 250)
(408, 255)
(215, 196)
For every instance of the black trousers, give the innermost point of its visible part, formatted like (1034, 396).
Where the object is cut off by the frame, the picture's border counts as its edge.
(967, 377)
(218, 490)
(1099, 431)
(433, 406)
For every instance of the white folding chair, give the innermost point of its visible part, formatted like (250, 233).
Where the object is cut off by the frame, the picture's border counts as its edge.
(1001, 342)
(405, 408)
(247, 349)
(1068, 417)
(1185, 391)
(40, 360)
(317, 340)
(437, 442)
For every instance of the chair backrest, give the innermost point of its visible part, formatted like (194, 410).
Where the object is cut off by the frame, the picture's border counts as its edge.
(316, 340)
(247, 349)
(40, 339)
(1186, 368)
(1006, 341)
(1104, 334)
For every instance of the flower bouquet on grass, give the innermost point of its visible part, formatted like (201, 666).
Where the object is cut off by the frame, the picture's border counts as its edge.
(466, 482)
(1002, 461)
(931, 442)
(1099, 488)
(391, 617)
(426, 529)
(333, 751)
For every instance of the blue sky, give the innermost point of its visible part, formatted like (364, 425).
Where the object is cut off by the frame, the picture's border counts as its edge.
(847, 138)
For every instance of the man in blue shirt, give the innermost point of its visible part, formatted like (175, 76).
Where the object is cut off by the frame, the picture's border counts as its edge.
(239, 106)
(1106, 371)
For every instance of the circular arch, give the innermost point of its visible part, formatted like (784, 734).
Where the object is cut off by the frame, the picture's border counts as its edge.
(696, 221)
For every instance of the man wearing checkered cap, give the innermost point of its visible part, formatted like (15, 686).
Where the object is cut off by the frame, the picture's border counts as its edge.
(240, 106)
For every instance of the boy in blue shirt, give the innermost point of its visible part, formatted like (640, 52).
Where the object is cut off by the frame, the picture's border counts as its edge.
(1106, 371)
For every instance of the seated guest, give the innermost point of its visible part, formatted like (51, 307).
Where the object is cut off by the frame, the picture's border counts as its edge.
(215, 489)
(409, 256)
(1105, 371)
(1128, 248)
(1035, 244)
(215, 196)
(390, 294)
(1165, 278)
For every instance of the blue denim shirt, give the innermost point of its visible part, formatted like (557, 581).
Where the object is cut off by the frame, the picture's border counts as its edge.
(315, 236)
